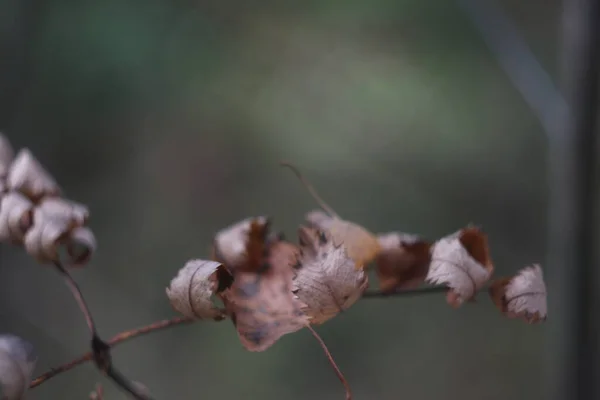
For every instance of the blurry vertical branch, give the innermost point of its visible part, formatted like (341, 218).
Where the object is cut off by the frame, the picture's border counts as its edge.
(34, 214)
(573, 233)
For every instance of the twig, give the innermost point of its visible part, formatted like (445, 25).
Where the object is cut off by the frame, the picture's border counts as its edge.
(406, 293)
(74, 287)
(310, 188)
(339, 373)
(100, 349)
(117, 339)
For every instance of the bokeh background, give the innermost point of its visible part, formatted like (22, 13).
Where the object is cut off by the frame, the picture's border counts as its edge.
(168, 119)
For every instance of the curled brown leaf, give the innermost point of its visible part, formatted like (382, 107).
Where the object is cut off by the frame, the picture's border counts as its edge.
(191, 291)
(403, 263)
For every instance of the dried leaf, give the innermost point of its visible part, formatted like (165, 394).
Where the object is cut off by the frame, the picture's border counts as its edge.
(27, 176)
(229, 246)
(6, 156)
(461, 261)
(327, 278)
(403, 263)
(17, 361)
(260, 300)
(361, 245)
(16, 217)
(191, 291)
(522, 296)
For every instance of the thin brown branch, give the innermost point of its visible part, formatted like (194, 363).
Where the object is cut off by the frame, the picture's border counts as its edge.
(115, 340)
(100, 350)
(339, 373)
(311, 189)
(74, 288)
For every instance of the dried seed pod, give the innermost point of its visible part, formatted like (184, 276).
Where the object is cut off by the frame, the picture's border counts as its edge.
(44, 238)
(16, 217)
(81, 245)
(65, 209)
(27, 176)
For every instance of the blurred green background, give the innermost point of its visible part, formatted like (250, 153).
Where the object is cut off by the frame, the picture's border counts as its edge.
(168, 119)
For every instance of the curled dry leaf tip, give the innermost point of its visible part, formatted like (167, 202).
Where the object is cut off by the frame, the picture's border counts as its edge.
(191, 291)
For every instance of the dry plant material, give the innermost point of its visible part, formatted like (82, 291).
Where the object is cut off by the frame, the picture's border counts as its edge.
(461, 262)
(361, 245)
(403, 262)
(229, 245)
(327, 279)
(16, 217)
(26, 175)
(191, 291)
(260, 300)
(17, 361)
(522, 296)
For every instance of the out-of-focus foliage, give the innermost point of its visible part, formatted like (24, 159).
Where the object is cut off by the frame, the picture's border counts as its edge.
(168, 118)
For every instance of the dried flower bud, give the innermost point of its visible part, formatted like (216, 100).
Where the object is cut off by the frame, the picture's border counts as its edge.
(27, 176)
(15, 217)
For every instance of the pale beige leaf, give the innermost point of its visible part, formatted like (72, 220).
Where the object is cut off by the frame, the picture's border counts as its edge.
(16, 216)
(190, 292)
(454, 266)
(17, 361)
(6, 155)
(361, 245)
(525, 294)
(327, 280)
(81, 245)
(229, 246)
(27, 176)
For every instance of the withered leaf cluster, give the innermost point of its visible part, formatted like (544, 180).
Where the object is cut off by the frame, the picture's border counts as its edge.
(270, 287)
(35, 215)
